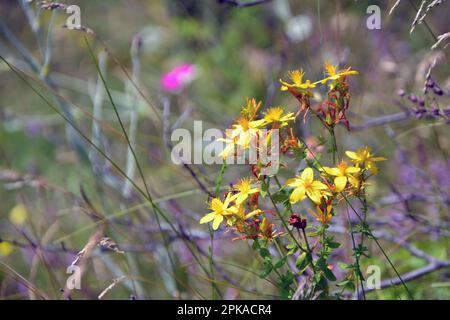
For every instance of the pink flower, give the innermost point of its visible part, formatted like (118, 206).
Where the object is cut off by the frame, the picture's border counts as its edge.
(178, 77)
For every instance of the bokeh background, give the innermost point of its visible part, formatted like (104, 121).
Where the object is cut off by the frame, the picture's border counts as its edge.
(51, 179)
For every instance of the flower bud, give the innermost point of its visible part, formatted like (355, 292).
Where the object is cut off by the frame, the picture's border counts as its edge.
(297, 222)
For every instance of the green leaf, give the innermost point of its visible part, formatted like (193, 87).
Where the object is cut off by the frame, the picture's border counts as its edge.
(334, 245)
(321, 264)
(281, 196)
(264, 187)
(343, 283)
(267, 269)
(292, 251)
(293, 248)
(255, 245)
(302, 262)
(299, 153)
(280, 263)
(329, 274)
(347, 284)
(264, 252)
(345, 266)
(291, 245)
(322, 140)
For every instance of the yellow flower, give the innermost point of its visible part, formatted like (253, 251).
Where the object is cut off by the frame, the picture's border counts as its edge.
(343, 173)
(219, 210)
(304, 185)
(5, 249)
(245, 216)
(241, 135)
(297, 78)
(334, 74)
(18, 215)
(229, 147)
(275, 115)
(245, 189)
(363, 157)
(321, 216)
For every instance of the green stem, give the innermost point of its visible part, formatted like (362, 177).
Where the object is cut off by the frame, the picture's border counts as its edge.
(308, 248)
(334, 144)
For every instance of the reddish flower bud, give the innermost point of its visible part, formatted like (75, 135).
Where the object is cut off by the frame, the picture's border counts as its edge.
(297, 222)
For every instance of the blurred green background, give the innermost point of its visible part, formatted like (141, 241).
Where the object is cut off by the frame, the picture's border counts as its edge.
(238, 52)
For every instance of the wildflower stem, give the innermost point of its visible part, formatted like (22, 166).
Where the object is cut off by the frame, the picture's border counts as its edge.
(356, 255)
(334, 144)
(381, 248)
(308, 248)
(284, 222)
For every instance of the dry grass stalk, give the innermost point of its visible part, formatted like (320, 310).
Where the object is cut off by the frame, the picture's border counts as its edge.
(111, 286)
(441, 38)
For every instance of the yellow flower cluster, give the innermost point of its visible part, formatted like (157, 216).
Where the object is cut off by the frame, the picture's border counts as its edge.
(332, 181)
(232, 208)
(248, 128)
(331, 72)
(239, 207)
(343, 177)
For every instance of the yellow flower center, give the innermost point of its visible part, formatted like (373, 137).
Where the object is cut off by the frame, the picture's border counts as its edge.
(244, 186)
(296, 76)
(244, 123)
(342, 168)
(274, 114)
(330, 69)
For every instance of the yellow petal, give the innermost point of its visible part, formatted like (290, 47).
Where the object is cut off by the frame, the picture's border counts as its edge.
(257, 123)
(317, 185)
(315, 196)
(216, 204)
(285, 85)
(254, 190)
(252, 214)
(207, 218)
(372, 167)
(227, 150)
(307, 175)
(353, 181)
(313, 213)
(230, 197)
(293, 182)
(340, 183)
(352, 170)
(331, 171)
(217, 221)
(351, 155)
(231, 210)
(297, 195)
(241, 198)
